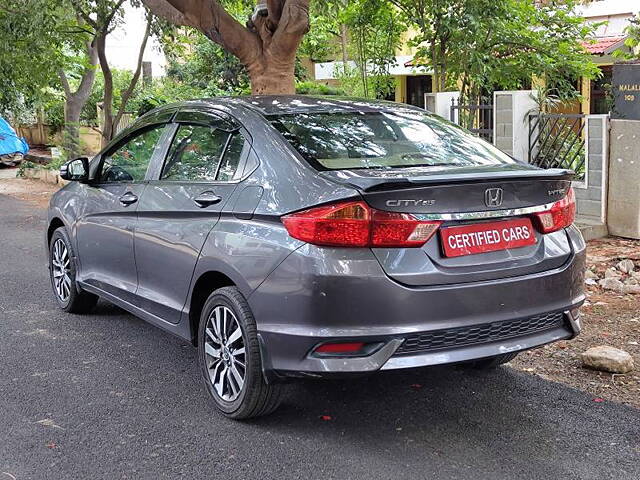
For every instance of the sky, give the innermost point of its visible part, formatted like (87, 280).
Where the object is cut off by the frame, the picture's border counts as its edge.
(123, 44)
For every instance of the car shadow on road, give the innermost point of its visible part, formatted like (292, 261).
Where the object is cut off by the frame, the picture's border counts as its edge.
(450, 410)
(445, 417)
(107, 309)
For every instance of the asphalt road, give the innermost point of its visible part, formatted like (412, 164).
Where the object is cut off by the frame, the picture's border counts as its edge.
(108, 396)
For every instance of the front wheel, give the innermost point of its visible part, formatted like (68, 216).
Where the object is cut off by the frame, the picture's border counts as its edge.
(62, 270)
(229, 354)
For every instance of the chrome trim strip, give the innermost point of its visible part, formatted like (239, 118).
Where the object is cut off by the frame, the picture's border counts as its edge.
(486, 214)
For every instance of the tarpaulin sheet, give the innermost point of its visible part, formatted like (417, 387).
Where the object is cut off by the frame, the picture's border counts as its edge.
(9, 141)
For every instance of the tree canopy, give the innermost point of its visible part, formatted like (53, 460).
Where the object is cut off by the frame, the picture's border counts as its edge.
(632, 41)
(33, 34)
(486, 44)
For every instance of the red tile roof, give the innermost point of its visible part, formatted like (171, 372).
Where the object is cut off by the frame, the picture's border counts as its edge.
(603, 45)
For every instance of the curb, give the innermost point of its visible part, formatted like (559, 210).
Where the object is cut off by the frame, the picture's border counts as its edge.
(47, 176)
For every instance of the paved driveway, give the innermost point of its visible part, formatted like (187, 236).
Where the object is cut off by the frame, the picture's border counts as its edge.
(108, 396)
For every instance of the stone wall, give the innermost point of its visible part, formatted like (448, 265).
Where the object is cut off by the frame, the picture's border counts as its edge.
(503, 133)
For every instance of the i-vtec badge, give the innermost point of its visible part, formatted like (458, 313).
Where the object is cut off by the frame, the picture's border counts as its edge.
(556, 192)
(410, 203)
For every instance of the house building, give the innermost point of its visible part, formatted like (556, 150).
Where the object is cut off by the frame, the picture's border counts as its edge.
(609, 37)
(413, 81)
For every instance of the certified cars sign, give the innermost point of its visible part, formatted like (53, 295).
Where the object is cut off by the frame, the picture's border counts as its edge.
(626, 91)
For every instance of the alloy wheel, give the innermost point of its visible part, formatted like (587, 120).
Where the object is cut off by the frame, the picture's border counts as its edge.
(61, 270)
(225, 353)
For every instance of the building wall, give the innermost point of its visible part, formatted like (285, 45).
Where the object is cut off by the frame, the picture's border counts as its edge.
(624, 171)
(591, 195)
(504, 122)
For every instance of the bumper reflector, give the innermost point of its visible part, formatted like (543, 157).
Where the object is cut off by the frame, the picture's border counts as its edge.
(333, 348)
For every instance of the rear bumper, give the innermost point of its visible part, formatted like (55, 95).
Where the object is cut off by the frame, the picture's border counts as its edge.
(311, 298)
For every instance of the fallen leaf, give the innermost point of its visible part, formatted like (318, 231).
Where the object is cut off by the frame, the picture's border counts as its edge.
(47, 422)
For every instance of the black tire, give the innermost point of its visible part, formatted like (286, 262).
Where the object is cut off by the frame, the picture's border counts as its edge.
(77, 300)
(494, 362)
(255, 398)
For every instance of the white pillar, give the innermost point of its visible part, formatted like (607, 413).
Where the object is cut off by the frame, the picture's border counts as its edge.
(511, 123)
(440, 103)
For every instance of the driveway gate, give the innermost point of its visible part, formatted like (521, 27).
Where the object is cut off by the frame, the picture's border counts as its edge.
(477, 118)
(557, 140)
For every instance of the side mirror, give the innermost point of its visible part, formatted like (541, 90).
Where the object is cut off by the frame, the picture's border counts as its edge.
(76, 170)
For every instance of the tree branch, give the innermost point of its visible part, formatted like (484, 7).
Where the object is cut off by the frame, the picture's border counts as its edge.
(274, 7)
(109, 18)
(293, 24)
(89, 74)
(65, 83)
(136, 76)
(84, 15)
(214, 21)
(163, 9)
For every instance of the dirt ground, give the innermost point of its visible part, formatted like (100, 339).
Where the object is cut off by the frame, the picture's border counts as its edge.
(33, 191)
(608, 318)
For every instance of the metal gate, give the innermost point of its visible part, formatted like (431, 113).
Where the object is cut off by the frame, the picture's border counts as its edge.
(557, 140)
(477, 118)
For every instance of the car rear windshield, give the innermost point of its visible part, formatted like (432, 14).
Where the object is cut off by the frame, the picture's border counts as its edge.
(382, 140)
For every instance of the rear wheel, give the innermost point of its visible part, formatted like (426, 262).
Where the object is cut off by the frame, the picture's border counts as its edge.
(229, 355)
(493, 362)
(62, 270)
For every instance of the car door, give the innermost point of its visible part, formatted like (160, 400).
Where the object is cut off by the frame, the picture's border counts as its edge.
(106, 227)
(182, 204)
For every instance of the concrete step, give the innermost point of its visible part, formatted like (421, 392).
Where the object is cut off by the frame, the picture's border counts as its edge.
(592, 230)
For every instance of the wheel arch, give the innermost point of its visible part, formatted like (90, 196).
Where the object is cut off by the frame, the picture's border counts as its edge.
(206, 283)
(54, 224)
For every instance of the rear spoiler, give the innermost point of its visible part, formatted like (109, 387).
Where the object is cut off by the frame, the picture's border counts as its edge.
(375, 180)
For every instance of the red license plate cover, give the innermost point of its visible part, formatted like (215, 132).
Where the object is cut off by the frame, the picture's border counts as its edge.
(487, 237)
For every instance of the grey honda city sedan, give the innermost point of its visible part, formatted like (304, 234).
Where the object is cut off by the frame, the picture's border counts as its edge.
(296, 236)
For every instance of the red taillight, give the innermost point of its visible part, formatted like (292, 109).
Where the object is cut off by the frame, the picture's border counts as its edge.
(349, 348)
(560, 215)
(356, 224)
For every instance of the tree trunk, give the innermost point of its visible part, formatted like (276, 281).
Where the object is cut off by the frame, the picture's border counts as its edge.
(267, 46)
(272, 81)
(71, 139)
(343, 47)
(75, 102)
(107, 99)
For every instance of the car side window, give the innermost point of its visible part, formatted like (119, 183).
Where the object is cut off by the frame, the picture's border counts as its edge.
(203, 154)
(129, 162)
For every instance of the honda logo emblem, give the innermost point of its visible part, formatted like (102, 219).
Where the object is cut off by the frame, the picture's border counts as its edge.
(493, 197)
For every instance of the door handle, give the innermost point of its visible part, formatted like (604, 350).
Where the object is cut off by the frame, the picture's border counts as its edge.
(207, 198)
(128, 199)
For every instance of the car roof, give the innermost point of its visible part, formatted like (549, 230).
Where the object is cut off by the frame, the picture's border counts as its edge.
(286, 104)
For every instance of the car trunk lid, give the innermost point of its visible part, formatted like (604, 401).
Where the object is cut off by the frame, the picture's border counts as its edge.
(480, 198)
